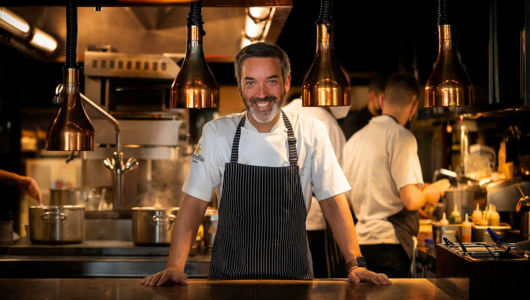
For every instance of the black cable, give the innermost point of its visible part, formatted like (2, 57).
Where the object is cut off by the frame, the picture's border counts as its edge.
(71, 34)
(195, 16)
(444, 14)
(326, 14)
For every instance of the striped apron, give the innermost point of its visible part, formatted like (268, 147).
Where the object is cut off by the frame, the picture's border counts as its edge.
(261, 232)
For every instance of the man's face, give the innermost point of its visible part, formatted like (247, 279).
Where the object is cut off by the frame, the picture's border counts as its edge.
(262, 87)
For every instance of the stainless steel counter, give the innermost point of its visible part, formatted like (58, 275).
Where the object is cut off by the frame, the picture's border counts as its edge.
(220, 290)
(94, 259)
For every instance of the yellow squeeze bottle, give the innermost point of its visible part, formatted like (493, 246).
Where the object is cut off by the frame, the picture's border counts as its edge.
(443, 221)
(466, 231)
(494, 219)
(455, 217)
(477, 216)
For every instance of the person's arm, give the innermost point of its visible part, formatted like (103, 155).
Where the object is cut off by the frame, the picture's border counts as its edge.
(186, 225)
(337, 213)
(414, 199)
(27, 185)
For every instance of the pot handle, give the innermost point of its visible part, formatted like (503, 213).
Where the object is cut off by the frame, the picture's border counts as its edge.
(47, 217)
(164, 219)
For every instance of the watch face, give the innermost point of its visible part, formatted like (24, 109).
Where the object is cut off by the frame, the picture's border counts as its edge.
(361, 261)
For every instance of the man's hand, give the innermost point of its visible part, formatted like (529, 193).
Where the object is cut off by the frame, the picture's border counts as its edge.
(432, 197)
(166, 276)
(357, 274)
(29, 186)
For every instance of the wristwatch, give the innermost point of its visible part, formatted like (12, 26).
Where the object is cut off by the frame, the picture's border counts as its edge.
(358, 262)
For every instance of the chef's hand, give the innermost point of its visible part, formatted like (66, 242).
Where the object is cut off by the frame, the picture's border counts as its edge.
(356, 275)
(29, 186)
(432, 196)
(163, 277)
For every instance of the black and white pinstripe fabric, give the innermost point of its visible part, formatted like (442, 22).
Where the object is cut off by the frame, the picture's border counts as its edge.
(261, 232)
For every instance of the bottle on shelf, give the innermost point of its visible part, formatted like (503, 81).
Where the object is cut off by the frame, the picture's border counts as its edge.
(494, 218)
(466, 231)
(444, 221)
(455, 217)
(477, 216)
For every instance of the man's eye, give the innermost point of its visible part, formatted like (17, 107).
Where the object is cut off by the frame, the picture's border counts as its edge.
(249, 83)
(273, 81)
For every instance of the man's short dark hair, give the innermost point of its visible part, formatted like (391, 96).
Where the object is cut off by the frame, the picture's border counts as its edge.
(401, 90)
(378, 82)
(262, 50)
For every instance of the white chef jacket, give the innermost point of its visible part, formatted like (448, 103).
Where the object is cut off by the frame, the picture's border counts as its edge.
(320, 171)
(379, 160)
(315, 217)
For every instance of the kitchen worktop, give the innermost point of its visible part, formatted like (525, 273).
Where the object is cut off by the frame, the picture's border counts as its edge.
(208, 289)
(46, 265)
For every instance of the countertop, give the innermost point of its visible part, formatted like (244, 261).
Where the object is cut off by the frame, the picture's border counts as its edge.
(332, 289)
(82, 266)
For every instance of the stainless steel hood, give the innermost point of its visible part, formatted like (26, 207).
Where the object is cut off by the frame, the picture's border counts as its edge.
(132, 28)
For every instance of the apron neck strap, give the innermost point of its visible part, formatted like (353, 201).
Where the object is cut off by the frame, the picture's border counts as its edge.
(291, 140)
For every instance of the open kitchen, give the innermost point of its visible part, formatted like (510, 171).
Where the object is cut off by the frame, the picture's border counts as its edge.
(264, 149)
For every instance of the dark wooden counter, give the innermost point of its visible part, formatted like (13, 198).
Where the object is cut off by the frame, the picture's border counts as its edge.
(101, 289)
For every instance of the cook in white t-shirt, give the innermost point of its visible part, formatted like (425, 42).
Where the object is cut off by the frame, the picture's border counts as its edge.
(381, 158)
(382, 165)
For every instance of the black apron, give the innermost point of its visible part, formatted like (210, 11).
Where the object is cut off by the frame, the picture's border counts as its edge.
(406, 223)
(261, 232)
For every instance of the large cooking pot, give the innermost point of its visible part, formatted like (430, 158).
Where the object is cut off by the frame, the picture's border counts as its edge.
(91, 197)
(57, 224)
(465, 198)
(153, 226)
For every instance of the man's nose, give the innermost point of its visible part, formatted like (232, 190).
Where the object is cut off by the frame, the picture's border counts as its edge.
(262, 91)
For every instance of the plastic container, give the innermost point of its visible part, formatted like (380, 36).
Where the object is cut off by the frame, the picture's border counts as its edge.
(444, 221)
(477, 216)
(429, 243)
(455, 217)
(494, 218)
(466, 230)
(480, 233)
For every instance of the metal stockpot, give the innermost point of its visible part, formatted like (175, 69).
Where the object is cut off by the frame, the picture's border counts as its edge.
(85, 196)
(57, 224)
(463, 198)
(152, 226)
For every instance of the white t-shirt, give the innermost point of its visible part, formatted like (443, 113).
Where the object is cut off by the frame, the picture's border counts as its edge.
(318, 165)
(315, 217)
(379, 160)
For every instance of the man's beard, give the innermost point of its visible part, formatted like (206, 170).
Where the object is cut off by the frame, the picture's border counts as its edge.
(264, 116)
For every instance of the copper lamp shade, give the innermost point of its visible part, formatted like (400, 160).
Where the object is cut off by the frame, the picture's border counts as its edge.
(326, 83)
(448, 85)
(71, 130)
(194, 86)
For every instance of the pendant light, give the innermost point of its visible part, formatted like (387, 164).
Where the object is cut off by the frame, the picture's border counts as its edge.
(326, 84)
(448, 85)
(194, 86)
(71, 130)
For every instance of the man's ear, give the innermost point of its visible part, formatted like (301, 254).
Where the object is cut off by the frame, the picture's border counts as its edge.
(414, 108)
(287, 84)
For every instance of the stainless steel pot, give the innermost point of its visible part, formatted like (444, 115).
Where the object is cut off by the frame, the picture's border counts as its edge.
(463, 198)
(57, 224)
(153, 226)
(90, 197)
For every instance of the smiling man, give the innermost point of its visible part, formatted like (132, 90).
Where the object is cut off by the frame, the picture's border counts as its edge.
(267, 164)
